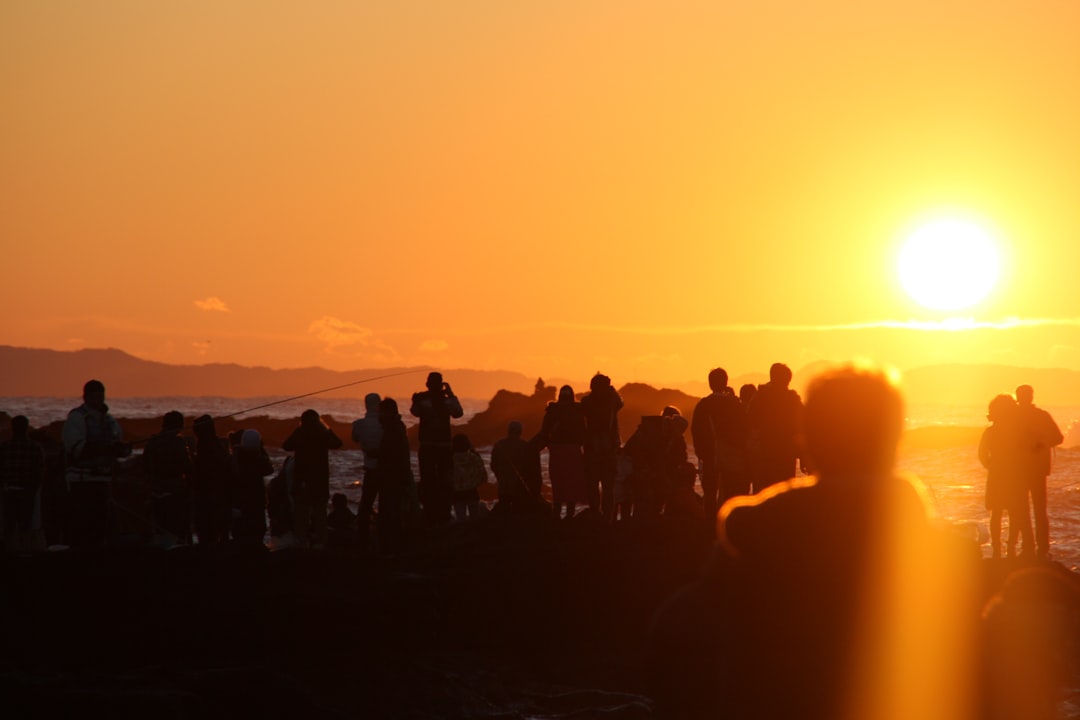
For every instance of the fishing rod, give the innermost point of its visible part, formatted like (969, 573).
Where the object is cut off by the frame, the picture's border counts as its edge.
(324, 390)
(139, 441)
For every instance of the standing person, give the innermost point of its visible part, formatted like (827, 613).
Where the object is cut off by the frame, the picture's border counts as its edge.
(395, 475)
(469, 475)
(367, 433)
(565, 434)
(718, 430)
(311, 444)
(168, 466)
(247, 496)
(774, 425)
(435, 407)
(22, 474)
(1001, 453)
(210, 483)
(602, 405)
(515, 463)
(92, 443)
(1041, 434)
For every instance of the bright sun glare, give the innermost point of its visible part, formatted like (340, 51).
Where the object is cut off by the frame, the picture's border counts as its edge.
(948, 265)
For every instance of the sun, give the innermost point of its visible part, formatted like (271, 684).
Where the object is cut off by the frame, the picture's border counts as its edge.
(949, 265)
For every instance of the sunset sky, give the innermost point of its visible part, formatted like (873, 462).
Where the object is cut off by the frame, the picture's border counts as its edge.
(647, 189)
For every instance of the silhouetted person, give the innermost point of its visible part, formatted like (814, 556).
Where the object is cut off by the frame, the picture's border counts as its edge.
(279, 504)
(210, 480)
(677, 474)
(367, 433)
(1041, 435)
(829, 596)
(395, 475)
(469, 475)
(510, 459)
(311, 444)
(54, 488)
(92, 444)
(602, 405)
(564, 432)
(718, 429)
(340, 522)
(22, 474)
(435, 407)
(657, 451)
(168, 466)
(747, 391)
(774, 421)
(1029, 652)
(1001, 453)
(247, 495)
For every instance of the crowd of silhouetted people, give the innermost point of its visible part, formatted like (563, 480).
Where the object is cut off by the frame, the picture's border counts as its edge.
(90, 488)
(830, 592)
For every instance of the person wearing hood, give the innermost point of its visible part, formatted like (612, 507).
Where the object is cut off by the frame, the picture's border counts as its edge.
(394, 475)
(311, 443)
(210, 483)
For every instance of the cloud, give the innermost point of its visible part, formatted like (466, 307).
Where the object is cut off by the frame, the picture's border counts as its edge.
(212, 304)
(434, 345)
(202, 346)
(339, 334)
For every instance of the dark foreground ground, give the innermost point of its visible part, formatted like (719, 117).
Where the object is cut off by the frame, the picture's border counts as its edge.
(507, 617)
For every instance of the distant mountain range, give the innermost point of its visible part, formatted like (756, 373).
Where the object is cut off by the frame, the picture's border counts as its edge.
(53, 373)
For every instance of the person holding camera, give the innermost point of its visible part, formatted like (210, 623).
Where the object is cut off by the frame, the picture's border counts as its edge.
(435, 407)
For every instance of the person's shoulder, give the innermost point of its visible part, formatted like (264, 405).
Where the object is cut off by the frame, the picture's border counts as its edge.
(744, 518)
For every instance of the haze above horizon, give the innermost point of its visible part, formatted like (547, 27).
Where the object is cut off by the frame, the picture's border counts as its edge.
(555, 188)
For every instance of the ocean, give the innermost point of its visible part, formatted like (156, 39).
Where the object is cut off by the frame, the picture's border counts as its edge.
(955, 479)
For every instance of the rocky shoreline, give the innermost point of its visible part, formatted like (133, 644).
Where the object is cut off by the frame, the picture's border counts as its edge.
(505, 617)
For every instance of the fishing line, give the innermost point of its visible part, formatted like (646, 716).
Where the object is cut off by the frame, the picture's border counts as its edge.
(319, 392)
(139, 441)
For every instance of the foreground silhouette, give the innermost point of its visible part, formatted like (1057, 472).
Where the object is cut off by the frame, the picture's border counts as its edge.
(830, 596)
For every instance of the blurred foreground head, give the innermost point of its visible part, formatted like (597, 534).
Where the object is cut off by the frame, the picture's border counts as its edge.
(854, 417)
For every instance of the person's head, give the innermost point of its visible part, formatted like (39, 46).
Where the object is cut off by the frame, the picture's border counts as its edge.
(514, 429)
(204, 427)
(461, 443)
(780, 374)
(310, 418)
(435, 381)
(670, 411)
(371, 402)
(20, 427)
(251, 440)
(338, 501)
(93, 393)
(173, 422)
(1025, 395)
(388, 409)
(566, 394)
(854, 418)
(717, 379)
(1000, 408)
(599, 382)
(746, 393)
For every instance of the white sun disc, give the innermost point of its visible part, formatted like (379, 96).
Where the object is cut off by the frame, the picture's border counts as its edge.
(949, 265)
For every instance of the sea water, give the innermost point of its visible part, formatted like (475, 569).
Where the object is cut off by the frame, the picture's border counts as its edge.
(953, 476)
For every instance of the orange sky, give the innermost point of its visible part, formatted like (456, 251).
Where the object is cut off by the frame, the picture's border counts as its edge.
(648, 189)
